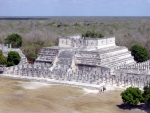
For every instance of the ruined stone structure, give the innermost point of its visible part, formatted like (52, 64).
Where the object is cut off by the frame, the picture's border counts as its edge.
(79, 51)
(85, 61)
(7, 48)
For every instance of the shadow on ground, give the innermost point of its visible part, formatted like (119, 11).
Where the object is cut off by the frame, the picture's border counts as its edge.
(143, 107)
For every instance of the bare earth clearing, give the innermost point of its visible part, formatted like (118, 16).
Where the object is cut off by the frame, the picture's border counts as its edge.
(28, 97)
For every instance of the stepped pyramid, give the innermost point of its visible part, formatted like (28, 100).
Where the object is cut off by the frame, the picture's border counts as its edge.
(75, 51)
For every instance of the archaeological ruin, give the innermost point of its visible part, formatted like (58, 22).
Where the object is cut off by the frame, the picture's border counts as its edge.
(85, 62)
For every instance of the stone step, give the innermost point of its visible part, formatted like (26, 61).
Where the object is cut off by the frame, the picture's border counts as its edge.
(120, 62)
(116, 60)
(66, 54)
(112, 53)
(118, 56)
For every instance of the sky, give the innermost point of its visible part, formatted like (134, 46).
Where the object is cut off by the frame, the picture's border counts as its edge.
(74, 7)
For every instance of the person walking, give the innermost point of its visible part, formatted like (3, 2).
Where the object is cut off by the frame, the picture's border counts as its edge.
(100, 90)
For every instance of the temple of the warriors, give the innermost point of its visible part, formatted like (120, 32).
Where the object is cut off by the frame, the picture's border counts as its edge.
(75, 52)
(86, 62)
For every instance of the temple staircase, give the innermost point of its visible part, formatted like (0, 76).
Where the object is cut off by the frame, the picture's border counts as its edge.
(64, 61)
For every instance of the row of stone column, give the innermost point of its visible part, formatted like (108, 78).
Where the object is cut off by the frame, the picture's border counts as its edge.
(131, 79)
(137, 66)
(78, 76)
(84, 76)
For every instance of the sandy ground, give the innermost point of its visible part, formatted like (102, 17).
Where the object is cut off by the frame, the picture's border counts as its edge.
(19, 96)
(69, 83)
(32, 85)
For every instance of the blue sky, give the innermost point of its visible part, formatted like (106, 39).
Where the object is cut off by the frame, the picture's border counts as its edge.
(74, 7)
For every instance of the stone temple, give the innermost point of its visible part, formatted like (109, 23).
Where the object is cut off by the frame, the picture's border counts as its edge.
(87, 62)
(75, 52)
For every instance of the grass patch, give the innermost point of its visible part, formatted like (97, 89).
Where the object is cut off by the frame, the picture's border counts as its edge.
(17, 88)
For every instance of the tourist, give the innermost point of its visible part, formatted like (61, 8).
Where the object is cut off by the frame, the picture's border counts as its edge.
(104, 88)
(100, 90)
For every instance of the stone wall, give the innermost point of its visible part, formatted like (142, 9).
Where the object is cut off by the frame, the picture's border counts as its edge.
(86, 42)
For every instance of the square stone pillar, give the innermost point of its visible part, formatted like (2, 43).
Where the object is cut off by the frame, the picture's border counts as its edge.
(124, 81)
(112, 81)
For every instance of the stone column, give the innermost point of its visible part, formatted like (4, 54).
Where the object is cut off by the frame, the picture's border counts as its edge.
(106, 79)
(7, 46)
(120, 79)
(118, 84)
(138, 83)
(102, 79)
(131, 82)
(10, 46)
(124, 81)
(112, 81)
(127, 81)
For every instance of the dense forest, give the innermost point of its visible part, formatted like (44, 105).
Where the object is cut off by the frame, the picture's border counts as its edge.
(40, 32)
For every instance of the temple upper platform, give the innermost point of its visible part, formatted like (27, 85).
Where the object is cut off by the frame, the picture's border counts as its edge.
(80, 42)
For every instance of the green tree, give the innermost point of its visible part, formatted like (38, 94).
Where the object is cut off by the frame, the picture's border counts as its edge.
(3, 59)
(13, 58)
(146, 93)
(140, 54)
(14, 39)
(100, 36)
(132, 96)
(92, 34)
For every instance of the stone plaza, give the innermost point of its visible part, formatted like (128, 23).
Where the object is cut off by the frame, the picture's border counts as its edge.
(86, 62)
